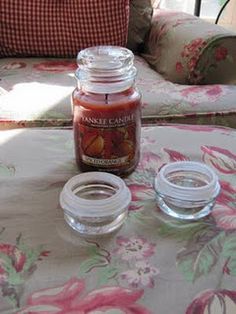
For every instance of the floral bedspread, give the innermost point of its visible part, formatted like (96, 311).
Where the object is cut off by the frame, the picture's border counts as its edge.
(153, 264)
(35, 92)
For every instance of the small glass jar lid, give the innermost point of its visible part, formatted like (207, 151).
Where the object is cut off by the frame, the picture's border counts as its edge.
(186, 189)
(95, 202)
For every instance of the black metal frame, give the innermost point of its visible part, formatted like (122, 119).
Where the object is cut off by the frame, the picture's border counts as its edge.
(197, 7)
(221, 10)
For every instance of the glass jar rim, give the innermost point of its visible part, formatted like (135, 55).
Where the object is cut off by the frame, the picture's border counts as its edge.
(190, 193)
(113, 204)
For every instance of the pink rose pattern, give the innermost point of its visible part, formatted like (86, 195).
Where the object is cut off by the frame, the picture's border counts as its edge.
(190, 56)
(221, 159)
(198, 94)
(221, 53)
(191, 53)
(134, 248)
(213, 301)
(221, 223)
(142, 274)
(137, 252)
(17, 263)
(56, 66)
(71, 298)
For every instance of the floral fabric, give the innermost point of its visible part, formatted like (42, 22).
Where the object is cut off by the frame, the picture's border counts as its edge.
(188, 50)
(152, 265)
(36, 92)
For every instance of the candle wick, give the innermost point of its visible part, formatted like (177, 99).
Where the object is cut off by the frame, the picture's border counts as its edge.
(106, 98)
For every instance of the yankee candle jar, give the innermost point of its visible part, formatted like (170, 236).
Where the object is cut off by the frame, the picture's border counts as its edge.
(106, 111)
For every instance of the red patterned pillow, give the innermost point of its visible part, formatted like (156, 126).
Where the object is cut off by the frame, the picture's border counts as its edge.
(60, 27)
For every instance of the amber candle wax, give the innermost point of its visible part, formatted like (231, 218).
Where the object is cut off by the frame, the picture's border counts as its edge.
(107, 121)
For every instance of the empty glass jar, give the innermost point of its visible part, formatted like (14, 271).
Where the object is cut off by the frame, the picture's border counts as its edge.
(95, 203)
(186, 189)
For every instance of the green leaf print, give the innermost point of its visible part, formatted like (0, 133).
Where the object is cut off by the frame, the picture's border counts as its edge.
(229, 248)
(201, 254)
(232, 266)
(32, 255)
(13, 278)
(106, 274)
(181, 231)
(91, 263)
(97, 257)
(229, 252)
(6, 170)
(31, 258)
(17, 263)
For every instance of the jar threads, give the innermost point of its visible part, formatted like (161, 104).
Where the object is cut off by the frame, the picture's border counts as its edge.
(186, 189)
(95, 203)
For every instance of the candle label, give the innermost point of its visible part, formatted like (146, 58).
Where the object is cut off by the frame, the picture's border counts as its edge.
(107, 142)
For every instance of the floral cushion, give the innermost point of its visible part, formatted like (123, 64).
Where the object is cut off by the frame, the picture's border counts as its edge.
(152, 265)
(188, 50)
(36, 92)
(60, 28)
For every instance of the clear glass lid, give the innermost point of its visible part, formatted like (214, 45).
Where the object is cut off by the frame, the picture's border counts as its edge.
(105, 69)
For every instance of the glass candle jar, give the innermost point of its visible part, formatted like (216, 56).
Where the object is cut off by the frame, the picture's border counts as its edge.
(95, 203)
(106, 111)
(186, 189)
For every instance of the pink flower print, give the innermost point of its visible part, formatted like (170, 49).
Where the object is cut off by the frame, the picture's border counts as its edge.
(140, 192)
(225, 216)
(145, 140)
(175, 156)
(149, 161)
(198, 94)
(141, 275)
(70, 298)
(221, 159)
(134, 248)
(227, 193)
(214, 91)
(221, 53)
(14, 65)
(17, 263)
(196, 128)
(162, 32)
(193, 48)
(192, 63)
(56, 66)
(212, 302)
(14, 256)
(195, 77)
(179, 67)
